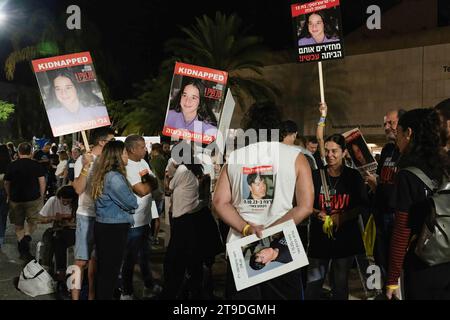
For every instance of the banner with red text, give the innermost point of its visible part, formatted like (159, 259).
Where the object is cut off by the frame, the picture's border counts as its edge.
(195, 103)
(318, 30)
(72, 96)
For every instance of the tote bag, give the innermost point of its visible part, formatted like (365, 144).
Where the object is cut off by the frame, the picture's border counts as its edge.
(34, 280)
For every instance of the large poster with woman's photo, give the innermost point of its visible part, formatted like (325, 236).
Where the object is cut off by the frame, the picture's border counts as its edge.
(254, 260)
(195, 103)
(318, 30)
(71, 94)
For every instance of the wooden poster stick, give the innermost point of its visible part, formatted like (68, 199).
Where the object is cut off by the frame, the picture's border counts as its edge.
(85, 141)
(322, 94)
(320, 129)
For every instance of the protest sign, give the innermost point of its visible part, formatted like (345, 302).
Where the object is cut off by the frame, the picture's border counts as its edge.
(254, 260)
(195, 103)
(360, 152)
(72, 96)
(318, 30)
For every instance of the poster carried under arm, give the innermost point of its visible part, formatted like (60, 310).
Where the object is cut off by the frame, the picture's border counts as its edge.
(360, 152)
(195, 103)
(318, 30)
(254, 260)
(72, 96)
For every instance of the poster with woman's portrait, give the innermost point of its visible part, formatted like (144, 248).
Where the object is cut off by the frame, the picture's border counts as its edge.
(318, 30)
(254, 260)
(359, 152)
(72, 96)
(195, 103)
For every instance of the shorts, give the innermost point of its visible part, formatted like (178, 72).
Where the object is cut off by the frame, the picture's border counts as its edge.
(29, 210)
(84, 237)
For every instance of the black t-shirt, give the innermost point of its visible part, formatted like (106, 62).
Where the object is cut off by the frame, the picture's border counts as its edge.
(387, 170)
(350, 192)
(284, 255)
(71, 169)
(41, 155)
(23, 175)
(411, 197)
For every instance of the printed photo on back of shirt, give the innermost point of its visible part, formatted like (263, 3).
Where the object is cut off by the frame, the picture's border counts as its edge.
(195, 103)
(72, 96)
(360, 152)
(318, 30)
(257, 187)
(254, 260)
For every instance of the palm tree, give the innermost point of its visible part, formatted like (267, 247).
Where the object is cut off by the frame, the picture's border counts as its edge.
(221, 44)
(44, 36)
(147, 112)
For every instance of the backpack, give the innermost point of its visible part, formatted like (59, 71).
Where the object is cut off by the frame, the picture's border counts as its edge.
(433, 242)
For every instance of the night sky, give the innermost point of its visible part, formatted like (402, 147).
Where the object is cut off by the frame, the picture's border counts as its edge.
(134, 31)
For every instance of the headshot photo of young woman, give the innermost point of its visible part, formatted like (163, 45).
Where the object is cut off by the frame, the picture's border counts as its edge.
(317, 29)
(189, 111)
(68, 103)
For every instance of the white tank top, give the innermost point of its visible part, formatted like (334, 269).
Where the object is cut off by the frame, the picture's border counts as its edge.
(262, 177)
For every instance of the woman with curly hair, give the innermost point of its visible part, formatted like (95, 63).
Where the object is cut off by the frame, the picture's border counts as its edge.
(114, 204)
(189, 110)
(443, 109)
(419, 142)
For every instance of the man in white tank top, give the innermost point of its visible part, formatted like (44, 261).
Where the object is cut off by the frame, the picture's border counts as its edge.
(283, 173)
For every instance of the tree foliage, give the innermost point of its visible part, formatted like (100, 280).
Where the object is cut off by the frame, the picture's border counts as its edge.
(6, 109)
(221, 43)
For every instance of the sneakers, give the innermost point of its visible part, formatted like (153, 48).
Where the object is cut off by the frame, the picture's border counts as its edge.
(155, 241)
(151, 292)
(62, 293)
(126, 297)
(24, 249)
(26, 257)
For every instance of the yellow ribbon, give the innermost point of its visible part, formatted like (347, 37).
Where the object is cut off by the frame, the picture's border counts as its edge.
(369, 236)
(328, 227)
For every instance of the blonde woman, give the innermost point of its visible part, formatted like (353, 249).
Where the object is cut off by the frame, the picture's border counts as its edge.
(114, 203)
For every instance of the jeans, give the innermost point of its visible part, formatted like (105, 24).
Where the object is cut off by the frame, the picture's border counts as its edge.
(136, 242)
(3, 215)
(317, 272)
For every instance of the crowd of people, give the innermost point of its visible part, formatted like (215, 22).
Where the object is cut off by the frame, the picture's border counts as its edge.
(100, 202)
(331, 206)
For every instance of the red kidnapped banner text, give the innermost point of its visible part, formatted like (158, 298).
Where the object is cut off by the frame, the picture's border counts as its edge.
(260, 169)
(208, 74)
(66, 61)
